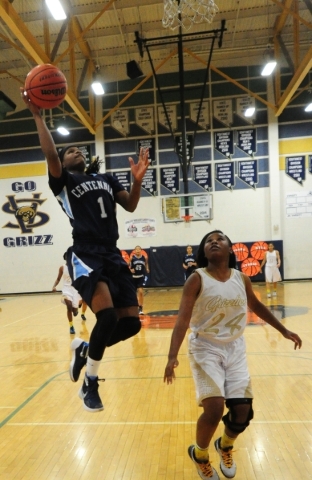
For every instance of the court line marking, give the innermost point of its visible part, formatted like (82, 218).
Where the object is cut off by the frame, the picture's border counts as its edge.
(56, 424)
(26, 318)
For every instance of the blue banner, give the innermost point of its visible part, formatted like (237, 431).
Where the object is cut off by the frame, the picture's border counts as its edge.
(147, 143)
(224, 143)
(248, 172)
(202, 176)
(124, 178)
(170, 178)
(149, 182)
(225, 174)
(189, 146)
(295, 168)
(247, 141)
(310, 163)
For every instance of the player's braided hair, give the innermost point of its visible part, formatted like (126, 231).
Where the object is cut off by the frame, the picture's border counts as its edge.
(94, 166)
(202, 261)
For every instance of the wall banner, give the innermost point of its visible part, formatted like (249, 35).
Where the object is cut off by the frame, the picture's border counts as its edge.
(189, 146)
(247, 141)
(223, 111)
(202, 176)
(170, 178)
(224, 143)
(242, 103)
(203, 120)
(142, 227)
(248, 172)
(123, 176)
(147, 143)
(144, 118)
(310, 164)
(225, 174)
(149, 182)
(295, 168)
(172, 114)
(120, 121)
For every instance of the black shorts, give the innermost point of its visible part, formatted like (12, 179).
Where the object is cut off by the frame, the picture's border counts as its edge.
(139, 281)
(90, 264)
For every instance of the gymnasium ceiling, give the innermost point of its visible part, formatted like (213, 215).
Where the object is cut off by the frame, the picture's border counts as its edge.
(103, 33)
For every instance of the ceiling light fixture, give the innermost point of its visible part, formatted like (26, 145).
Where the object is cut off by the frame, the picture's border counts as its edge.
(270, 62)
(56, 9)
(97, 85)
(62, 129)
(249, 111)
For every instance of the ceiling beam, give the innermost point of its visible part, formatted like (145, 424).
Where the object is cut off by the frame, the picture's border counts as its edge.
(298, 77)
(19, 29)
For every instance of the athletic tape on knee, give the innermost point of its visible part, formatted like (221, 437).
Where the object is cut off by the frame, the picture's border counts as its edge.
(230, 418)
(127, 327)
(106, 322)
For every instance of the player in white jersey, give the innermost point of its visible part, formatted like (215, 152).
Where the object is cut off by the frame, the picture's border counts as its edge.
(272, 261)
(214, 305)
(70, 296)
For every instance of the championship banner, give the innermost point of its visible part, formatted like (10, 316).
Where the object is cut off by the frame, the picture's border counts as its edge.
(247, 141)
(202, 176)
(242, 104)
(144, 118)
(189, 146)
(295, 168)
(224, 143)
(142, 227)
(223, 111)
(170, 178)
(123, 177)
(146, 143)
(248, 172)
(172, 115)
(203, 120)
(225, 174)
(120, 121)
(149, 182)
(310, 163)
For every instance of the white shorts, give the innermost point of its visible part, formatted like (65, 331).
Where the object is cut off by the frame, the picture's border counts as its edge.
(219, 370)
(272, 274)
(71, 294)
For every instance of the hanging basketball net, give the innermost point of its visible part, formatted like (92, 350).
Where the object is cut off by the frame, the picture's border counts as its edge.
(184, 13)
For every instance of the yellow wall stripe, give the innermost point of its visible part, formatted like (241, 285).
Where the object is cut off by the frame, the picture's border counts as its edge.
(295, 146)
(37, 169)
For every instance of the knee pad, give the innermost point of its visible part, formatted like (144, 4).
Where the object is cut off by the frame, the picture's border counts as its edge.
(127, 327)
(229, 419)
(106, 323)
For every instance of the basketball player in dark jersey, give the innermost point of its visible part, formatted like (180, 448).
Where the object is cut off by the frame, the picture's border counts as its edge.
(95, 264)
(189, 262)
(139, 269)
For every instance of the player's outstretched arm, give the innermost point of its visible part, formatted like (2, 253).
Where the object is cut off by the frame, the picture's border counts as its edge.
(263, 312)
(189, 295)
(45, 138)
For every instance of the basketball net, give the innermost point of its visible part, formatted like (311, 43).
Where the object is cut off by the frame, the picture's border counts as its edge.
(183, 13)
(187, 218)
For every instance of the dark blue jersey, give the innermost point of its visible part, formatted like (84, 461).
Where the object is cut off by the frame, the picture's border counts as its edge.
(89, 202)
(138, 264)
(188, 259)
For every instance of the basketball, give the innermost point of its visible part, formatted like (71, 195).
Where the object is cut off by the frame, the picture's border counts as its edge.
(46, 86)
(241, 251)
(250, 267)
(258, 250)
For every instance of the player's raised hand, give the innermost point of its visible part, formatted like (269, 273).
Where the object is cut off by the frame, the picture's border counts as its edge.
(138, 169)
(32, 107)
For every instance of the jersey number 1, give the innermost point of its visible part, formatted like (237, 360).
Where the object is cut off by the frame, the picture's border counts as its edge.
(103, 213)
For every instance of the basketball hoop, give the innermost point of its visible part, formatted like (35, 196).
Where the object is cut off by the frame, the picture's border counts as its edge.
(183, 13)
(187, 218)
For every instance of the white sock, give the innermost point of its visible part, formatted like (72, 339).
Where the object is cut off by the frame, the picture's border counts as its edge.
(93, 367)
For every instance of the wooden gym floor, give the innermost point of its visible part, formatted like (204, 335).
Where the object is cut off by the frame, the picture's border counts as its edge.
(147, 426)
